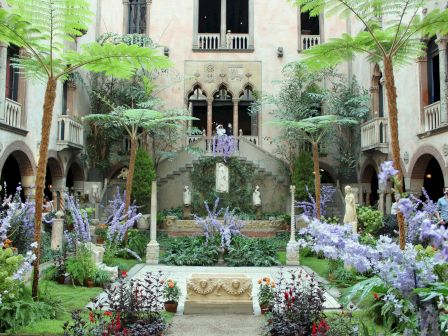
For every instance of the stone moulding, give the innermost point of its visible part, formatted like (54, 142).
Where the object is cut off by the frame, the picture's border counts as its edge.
(219, 293)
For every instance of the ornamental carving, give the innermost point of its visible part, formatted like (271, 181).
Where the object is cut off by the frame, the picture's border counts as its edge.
(210, 73)
(445, 150)
(220, 287)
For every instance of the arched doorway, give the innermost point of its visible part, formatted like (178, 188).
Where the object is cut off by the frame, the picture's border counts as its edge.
(247, 121)
(427, 174)
(223, 110)
(11, 177)
(197, 104)
(17, 169)
(369, 179)
(74, 179)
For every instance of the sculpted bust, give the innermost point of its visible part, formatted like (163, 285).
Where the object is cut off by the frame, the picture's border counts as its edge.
(256, 197)
(187, 196)
(222, 178)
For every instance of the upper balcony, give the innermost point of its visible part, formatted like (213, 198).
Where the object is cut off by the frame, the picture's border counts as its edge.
(309, 41)
(70, 133)
(13, 117)
(209, 41)
(375, 135)
(432, 120)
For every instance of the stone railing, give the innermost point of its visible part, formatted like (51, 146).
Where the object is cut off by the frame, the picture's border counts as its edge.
(209, 41)
(13, 113)
(237, 41)
(70, 133)
(309, 41)
(432, 117)
(251, 138)
(375, 134)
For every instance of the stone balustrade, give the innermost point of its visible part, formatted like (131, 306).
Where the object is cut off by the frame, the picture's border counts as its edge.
(13, 113)
(70, 133)
(309, 41)
(209, 41)
(237, 41)
(432, 117)
(375, 134)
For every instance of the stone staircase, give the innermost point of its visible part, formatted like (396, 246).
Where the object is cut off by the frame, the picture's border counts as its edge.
(174, 174)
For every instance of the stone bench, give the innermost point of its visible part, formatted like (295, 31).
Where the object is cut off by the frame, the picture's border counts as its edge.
(217, 294)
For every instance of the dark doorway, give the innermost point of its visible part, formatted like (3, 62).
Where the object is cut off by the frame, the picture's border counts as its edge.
(209, 16)
(433, 180)
(309, 24)
(70, 181)
(223, 110)
(374, 197)
(11, 177)
(238, 16)
(198, 102)
(48, 184)
(325, 177)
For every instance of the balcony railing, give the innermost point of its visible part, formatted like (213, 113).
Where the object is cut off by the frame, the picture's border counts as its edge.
(375, 135)
(70, 133)
(13, 113)
(208, 41)
(309, 41)
(432, 117)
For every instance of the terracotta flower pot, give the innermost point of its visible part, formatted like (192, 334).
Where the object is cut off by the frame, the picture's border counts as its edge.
(61, 280)
(171, 306)
(99, 240)
(89, 283)
(265, 308)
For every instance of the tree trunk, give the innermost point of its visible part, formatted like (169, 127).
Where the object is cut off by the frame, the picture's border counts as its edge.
(134, 144)
(50, 95)
(394, 140)
(316, 178)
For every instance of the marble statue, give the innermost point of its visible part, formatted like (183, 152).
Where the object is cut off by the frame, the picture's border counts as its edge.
(123, 173)
(187, 196)
(222, 178)
(256, 197)
(220, 130)
(350, 208)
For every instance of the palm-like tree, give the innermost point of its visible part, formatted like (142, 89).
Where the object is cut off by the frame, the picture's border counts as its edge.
(136, 123)
(314, 130)
(392, 33)
(40, 28)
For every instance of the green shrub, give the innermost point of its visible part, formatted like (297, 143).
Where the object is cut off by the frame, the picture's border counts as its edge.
(20, 313)
(137, 241)
(370, 220)
(10, 289)
(144, 174)
(303, 175)
(340, 325)
(245, 251)
(191, 251)
(81, 266)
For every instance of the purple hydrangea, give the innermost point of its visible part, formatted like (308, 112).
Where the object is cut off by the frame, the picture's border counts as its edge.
(387, 172)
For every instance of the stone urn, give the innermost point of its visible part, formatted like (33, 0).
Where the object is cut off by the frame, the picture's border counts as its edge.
(143, 222)
(171, 306)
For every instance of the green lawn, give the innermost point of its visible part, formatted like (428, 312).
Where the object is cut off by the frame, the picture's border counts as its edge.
(72, 298)
(320, 266)
(125, 264)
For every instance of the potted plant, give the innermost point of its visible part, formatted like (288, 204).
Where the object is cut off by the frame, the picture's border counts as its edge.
(81, 267)
(171, 294)
(265, 294)
(102, 278)
(60, 270)
(101, 233)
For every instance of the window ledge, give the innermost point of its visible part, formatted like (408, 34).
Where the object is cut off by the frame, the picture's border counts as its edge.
(225, 50)
(435, 131)
(12, 129)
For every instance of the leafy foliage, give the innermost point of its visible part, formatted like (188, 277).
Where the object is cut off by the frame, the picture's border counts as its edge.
(191, 251)
(20, 313)
(303, 175)
(370, 220)
(9, 265)
(251, 252)
(137, 241)
(81, 266)
(143, 177)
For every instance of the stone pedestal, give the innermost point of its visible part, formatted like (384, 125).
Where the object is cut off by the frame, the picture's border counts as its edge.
(292, 254)
(152, 253)
(258, 212)
(187, 212)
(57, 234)
(217, 294)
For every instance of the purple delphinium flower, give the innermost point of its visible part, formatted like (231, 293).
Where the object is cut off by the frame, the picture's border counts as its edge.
(438, 235)
(210, 223)
(224, 145)
(119, 221)
(26, 265)
(387, 172)
(80, 220)
(309, 207)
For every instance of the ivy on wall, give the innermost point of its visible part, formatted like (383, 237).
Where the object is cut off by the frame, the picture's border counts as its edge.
(242, 180)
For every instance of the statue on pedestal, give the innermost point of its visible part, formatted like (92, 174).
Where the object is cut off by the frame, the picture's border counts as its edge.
(187, 202)
(222, 178)
(256, 201)
(350, 209)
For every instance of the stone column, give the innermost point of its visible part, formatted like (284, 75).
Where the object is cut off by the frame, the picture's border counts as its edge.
(209, 116)
(235, 116)
(443, 64)
(57, 232)
(223, 23)
(3, 56)
(388, 202)
(195, 23)
(29, 187)
(251, 24)
(381, 201)
(152, 249)
(292, 249)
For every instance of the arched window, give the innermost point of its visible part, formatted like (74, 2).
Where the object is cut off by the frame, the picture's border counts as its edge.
(197, 104)
(433, 71)
(247, 120)
(12, 74)
(377, 92)
(137, 14)
(222, 94)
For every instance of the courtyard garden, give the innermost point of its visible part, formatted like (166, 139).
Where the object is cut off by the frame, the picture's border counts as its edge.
(111, 262)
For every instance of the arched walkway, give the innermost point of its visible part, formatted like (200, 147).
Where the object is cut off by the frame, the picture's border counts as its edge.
(427, 173)
(369, 180)
(53, 177)
(74, 179)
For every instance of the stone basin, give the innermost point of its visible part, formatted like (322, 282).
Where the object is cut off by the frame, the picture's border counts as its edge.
(215, 294)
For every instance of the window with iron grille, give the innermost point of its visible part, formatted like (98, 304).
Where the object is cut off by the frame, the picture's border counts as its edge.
(137, 17)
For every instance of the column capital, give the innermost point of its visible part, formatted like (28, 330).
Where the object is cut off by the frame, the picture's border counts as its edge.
(235, 100)
(441, 42)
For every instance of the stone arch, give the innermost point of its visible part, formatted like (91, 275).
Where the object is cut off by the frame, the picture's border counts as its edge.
(193, 88)
(245, 86)
(369, 183)
(24, 156)
(114, 170)
(222, 85)
(427, 149)
(327, 168)
(74, 176)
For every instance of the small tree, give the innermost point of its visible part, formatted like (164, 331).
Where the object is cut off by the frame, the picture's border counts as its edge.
(303, 175)
(41, 28)
(391, 34)
(314, 130)
(143, 177)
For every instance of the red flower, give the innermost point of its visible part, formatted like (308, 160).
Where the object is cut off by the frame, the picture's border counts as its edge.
(107, 313)
(314, 330)
(286, 295)
(91, 317)
(376, 296)
(124, 274)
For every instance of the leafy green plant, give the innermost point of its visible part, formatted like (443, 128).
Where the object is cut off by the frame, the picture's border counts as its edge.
(175, 212)
(10, 289)
(102, 278)
(171, 291)
(191, 251)
(144, 175)
(251, 252)
(303, 175)
(341, 325)
(370, 220)
(81, 267)
(137, 241)
(266, 291)
(20, 313)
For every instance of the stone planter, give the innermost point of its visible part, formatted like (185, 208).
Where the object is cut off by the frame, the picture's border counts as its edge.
(143, 222)
(171, 306)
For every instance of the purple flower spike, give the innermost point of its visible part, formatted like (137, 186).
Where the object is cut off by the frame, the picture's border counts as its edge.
(387, 171)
